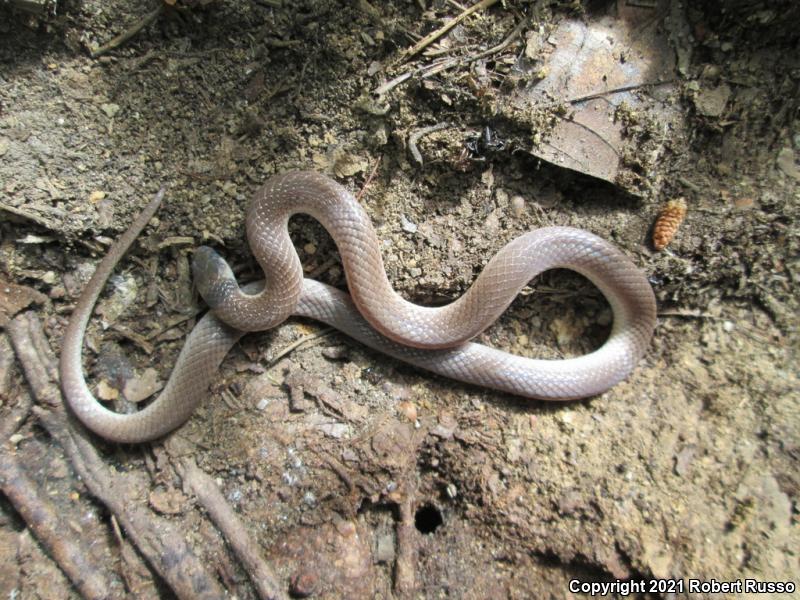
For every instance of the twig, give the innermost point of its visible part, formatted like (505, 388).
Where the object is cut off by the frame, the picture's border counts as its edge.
(437, 52)
(369, 178)
(306, 338)
(138, 578)
(619, 90)
(123, 37)
(45, 521)
(41, 515)
(438, 66)
(323, 267)
(172, 322)
(40, 8)
(390, 85)
(504, 44)
(19, 212)
(690, 184)
(404, 577)
(417, 135)
(435, 69)
(134, 337)
(353, 481)
(159, 542)
(433, 36)
(688, 314)
(6, 363)
(456, 4)
(423, 72)
(13, 420)
(163, 545)
(339, 469)
(230, 401)
(38, 369)
(205, 489)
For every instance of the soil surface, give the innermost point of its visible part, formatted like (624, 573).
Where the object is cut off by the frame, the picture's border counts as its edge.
(358, 476)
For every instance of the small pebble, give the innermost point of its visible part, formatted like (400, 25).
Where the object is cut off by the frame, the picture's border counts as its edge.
(110, 109)
(140, 388)
(384, 549)
(518, 206)
(502, 197)
(336, 352)
(104, 391)
(303, 584)
(408, 226)
(452, 490)
(408, 410)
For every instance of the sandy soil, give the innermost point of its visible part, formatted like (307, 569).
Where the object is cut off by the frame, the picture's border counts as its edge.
(358, 476)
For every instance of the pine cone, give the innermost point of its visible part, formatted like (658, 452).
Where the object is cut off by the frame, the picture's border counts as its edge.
(669, 219)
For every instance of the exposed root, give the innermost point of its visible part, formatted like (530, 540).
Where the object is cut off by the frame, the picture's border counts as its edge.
(160, 543)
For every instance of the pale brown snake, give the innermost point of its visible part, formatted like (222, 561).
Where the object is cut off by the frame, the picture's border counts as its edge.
(431, 338)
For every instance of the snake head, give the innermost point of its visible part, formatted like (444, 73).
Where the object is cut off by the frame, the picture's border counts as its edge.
(212, 276)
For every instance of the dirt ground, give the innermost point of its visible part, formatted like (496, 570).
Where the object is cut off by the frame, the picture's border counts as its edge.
(354, 475)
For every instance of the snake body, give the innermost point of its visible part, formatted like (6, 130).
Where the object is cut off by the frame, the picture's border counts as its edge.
(434, 339)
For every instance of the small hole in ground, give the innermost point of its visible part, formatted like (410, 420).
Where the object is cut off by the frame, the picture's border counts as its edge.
(428, 518)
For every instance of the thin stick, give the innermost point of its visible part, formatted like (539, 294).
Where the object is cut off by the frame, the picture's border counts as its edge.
(234, 531)
(134, 337)
(432, 37)
(162, 545)
(17, 414)
(123, 37)
(407, 552)
(504, 44)
(48, 525)
(35, 7)
(172, 322)
(417, 135)
(688, 315)
(369, 178)
(443, 64)
(390, 85)
(306, 338)
(19, 212)
(322, 268)
(619, 90)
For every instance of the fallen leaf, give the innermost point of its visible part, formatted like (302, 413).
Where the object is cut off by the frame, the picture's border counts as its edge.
(142, 387)
(106, 392)
(168, 502)
(589, 81)
(14, 298)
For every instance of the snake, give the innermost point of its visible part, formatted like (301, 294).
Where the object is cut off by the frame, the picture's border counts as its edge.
(436, 339)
